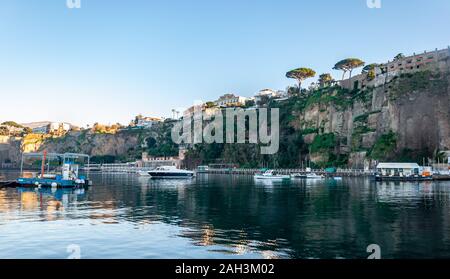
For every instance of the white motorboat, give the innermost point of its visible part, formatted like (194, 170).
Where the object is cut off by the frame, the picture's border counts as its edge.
(271, 175)
(307, 176)
(298, 175)
(314, 176)
(170, 172)
(143, 173)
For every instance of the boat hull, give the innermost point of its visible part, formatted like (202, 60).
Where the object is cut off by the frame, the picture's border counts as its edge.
(279, 178)
(402, 178)
(42, 182)
(169, 175)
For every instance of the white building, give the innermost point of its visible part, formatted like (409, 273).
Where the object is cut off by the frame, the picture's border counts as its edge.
(398, 169)
(267, 94)
(230, 100)
(52, 127)
(147, 122)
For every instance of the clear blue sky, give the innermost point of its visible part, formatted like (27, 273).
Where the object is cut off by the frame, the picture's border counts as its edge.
(111, 60)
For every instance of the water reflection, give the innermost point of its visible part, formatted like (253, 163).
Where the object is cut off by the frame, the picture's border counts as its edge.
(231, 216)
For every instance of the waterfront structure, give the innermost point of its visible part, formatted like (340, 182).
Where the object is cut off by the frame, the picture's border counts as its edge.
(230, 100)
(402, 171)
(397, 169)
(148, 161)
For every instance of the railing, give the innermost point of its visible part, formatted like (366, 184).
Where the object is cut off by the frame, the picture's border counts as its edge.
(339, 172)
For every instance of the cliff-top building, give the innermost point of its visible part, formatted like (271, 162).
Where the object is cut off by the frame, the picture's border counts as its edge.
(438, 60)
(264, 95)
(146, 122)
(230, 100)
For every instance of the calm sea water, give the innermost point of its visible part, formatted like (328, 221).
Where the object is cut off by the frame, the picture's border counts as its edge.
(215, 216)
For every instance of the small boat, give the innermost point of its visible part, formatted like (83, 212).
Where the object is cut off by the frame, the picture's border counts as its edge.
(67, 176)
(314, 176)
(307, 176)
(271, 175)
(170, 172)
(298, 175)
(143, 173)
(202, 169)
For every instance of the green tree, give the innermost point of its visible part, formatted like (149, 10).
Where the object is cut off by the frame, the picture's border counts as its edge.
(325, 79)
(210, 104)
(399, 56)
(348, 65)
(249, 103)
(439, 156)
(12, 124)
(4, 131)
(301, 74)
(369, 67)
(370, 70)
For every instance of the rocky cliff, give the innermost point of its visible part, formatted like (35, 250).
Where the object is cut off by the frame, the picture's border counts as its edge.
(9, 150)
(122, 146)
(405, 118)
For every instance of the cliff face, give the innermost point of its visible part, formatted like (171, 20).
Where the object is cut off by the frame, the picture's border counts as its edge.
(414, 108)
(122, 145)
(9, 149)
(405, 118)
(119, 144)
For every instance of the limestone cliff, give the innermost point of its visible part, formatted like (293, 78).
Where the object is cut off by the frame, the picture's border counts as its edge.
(9, 150)
(413, 108)
(124, 145)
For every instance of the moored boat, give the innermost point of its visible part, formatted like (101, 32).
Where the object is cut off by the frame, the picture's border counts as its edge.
(314, 176)
(307, 176)
(271, 175)
(66, 176)
(170, 172)
(143, 173)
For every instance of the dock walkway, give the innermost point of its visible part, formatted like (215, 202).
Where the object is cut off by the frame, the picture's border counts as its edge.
(339, 172)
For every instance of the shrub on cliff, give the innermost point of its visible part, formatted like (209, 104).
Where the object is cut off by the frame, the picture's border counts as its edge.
(384, 147)
(323, 143)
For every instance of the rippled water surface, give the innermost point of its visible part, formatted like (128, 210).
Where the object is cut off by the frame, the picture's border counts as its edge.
(215, 216)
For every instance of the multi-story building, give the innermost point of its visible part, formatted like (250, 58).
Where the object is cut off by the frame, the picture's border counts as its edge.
(52, 127)
(146, 122)
(267, 94)
(230, 100)
(438, 60)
